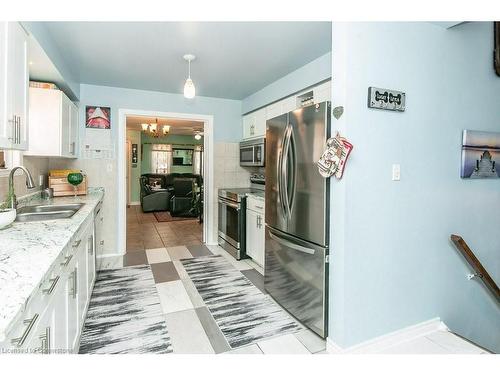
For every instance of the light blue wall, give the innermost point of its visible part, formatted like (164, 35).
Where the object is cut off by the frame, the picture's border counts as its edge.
(316, 71)
(392, 261)
(43, 37)
(227, 113)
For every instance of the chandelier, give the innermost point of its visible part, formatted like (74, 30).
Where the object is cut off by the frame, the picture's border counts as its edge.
(153, 129)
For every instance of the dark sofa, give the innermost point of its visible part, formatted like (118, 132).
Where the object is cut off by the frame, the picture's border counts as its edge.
(167, 199)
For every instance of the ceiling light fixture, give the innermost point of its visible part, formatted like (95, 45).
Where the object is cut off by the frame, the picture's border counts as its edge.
(189, 89)
(153, 129)
(197, 136)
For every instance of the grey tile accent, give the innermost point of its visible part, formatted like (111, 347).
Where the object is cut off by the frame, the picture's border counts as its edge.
(163, 272)
(311, 341)
(256, 278)
(217, 339)
(199, 250)
(193, 294)
(135, 258)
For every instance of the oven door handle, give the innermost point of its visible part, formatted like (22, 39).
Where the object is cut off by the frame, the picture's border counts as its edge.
(229, 204)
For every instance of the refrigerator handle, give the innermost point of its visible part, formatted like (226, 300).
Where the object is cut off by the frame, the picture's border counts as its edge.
(291, 245)
(280, 175)
(284, 170)
(293, 153)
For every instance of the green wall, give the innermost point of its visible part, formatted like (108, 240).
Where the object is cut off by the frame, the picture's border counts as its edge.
(186, 141)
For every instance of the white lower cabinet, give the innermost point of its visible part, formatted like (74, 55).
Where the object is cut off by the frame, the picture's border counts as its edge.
(53, 319)
(255, 233)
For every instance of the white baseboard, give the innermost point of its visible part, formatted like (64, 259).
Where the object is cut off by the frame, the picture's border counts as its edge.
(134, 204)
(380, 343)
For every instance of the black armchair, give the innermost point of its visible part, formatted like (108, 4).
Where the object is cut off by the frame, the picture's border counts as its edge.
(181, 203)
(152, 200)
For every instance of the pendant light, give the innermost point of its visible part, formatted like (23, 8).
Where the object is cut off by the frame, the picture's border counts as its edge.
(189, 89)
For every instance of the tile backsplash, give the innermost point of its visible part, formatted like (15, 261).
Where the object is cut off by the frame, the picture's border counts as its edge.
(36, 165)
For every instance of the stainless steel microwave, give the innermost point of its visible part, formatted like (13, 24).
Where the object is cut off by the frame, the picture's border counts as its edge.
(252, 152)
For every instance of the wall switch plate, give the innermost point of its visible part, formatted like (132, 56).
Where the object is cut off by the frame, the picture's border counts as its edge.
(109, 167)
(391, 100)
(396, 172)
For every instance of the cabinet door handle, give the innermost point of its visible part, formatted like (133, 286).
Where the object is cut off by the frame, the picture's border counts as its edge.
(45, 341)
(16, 129)
(91, 244)
(73, 281)
(77, 243)
(53, 284)
(259, 207)
(67, 260)
(19, 341)
(19, 119)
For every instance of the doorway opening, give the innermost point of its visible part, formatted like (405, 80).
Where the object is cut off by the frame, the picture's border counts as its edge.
(166, 180)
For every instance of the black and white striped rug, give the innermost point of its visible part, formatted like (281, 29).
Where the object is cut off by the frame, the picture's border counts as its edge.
(243, 313)
(125, 315)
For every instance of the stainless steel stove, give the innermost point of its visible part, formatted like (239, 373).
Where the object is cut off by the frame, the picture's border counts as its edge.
(232, 216)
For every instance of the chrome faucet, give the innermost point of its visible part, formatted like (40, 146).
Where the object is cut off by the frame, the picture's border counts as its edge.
(30, 184)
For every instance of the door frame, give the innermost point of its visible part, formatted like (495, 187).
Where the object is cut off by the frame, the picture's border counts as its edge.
(128, 170)
(208, 171)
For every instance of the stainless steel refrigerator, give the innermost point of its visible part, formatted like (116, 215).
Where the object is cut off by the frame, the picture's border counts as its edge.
(297, 211)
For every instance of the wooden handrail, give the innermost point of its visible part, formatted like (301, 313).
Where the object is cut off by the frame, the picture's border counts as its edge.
(476, 265)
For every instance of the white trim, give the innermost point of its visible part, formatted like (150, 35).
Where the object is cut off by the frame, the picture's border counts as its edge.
(383, 342)
(135, 203)
(208, 166)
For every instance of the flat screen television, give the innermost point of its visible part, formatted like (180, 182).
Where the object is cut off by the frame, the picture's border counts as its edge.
(496, 51)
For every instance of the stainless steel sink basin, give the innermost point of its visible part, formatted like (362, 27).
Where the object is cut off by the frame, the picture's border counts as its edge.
(47, 212)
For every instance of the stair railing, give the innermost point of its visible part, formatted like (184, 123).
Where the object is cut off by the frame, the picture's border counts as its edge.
(479, 271)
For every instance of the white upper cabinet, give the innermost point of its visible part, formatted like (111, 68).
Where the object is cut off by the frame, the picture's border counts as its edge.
(14, 81)
(254, 123)
(53, 124)
(322, 93)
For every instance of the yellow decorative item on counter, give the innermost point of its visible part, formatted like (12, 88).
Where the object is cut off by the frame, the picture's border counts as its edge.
(58, 180)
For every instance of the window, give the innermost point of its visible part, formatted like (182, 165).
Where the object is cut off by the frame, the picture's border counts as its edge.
(8, 160)
(160, 158)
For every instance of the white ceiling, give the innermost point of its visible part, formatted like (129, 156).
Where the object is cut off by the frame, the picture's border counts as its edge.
(177, 126)
(234, 59)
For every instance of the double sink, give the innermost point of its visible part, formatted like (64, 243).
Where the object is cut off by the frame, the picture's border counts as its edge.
(47, 212)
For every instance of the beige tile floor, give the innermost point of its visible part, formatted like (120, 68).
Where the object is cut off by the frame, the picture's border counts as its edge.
(145, 232)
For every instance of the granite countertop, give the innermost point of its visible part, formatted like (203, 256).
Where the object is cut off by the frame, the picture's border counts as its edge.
(28, 250)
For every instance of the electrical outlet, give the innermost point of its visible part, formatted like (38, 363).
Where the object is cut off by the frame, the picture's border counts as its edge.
(396, 172)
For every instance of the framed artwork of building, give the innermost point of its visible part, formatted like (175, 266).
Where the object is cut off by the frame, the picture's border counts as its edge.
(480, 154)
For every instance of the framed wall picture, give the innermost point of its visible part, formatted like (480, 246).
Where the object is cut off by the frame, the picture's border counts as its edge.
(480, 154)
(134, 153)
(97, 117)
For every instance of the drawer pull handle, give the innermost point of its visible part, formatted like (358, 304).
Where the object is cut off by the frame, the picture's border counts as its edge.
(259, 207)
(53, 284)
(30, 322)
(67, 260)
(77, 243)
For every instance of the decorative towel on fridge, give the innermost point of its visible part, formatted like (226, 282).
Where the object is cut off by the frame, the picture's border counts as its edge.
(333, 160)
